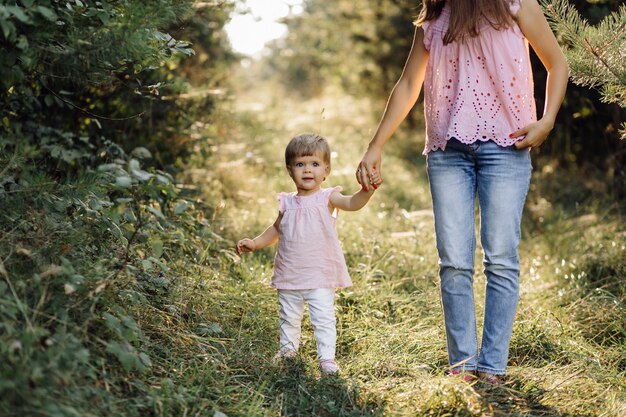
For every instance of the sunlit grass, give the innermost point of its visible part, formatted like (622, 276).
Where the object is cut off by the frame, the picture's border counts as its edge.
(568, 356)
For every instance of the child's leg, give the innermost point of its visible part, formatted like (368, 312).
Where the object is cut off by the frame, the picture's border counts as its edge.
(291, 310)
(322, 312)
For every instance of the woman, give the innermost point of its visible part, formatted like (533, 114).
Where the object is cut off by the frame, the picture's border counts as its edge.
(472, 57)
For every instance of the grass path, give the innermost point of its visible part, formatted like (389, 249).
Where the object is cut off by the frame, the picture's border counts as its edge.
(391, 344)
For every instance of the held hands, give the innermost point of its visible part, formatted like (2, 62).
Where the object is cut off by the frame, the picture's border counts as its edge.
(368, 173)
(246, 245)
(536, 133)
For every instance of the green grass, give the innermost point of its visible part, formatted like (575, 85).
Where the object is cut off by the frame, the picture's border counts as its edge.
(567, 352)
(208, 321)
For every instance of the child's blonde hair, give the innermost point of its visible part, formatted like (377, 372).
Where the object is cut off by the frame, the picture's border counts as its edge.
(307, 144)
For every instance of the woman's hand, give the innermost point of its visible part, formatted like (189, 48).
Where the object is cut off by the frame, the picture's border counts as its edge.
(535, 134)
(246, 245)
(368, 173)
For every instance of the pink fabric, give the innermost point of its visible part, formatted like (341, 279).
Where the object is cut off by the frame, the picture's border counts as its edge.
(309, 255)
(480, 89)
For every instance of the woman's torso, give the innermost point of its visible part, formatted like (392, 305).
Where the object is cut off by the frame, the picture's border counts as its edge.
(479, 89)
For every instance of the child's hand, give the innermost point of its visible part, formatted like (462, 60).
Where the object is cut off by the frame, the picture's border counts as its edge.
(375, 179)
(245, 245)
(368, 173)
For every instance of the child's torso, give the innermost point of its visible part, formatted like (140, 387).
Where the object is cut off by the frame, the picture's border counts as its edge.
(309, 254)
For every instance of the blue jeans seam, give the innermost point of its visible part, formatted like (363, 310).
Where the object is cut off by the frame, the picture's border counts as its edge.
(490, 370)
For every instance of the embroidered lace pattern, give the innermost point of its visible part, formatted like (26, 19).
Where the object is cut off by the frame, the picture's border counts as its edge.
(480, 89)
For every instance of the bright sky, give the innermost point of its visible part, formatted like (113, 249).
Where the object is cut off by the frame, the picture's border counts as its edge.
(248, 33)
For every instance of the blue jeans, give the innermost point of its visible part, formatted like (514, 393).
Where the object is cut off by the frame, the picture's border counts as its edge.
(500, 176)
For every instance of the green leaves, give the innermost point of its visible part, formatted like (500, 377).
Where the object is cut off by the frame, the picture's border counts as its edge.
(27, 15)
(208, 329)
(173, 45)
(92, 233)
(127, 332)
(125, 327)
(18, 13)
(47, 13)
(595, 54)
(8, 28)
(129, 357)
(157, 247)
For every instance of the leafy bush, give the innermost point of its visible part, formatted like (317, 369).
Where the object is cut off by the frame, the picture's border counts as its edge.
(83, 259)
(94, 222)
(77, 74)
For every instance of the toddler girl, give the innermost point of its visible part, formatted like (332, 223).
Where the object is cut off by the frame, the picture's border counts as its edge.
(309, 263)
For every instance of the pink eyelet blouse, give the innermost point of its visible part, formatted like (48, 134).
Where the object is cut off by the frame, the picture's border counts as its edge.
(309, 254)
(479, 89)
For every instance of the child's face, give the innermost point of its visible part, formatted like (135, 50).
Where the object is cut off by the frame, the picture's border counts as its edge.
(308, 173)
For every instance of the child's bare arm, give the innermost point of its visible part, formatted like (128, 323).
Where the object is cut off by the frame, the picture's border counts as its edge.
(352, 202)
(267, 238)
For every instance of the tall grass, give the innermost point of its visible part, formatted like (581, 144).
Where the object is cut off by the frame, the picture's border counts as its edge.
(196, 336)
(567, 352)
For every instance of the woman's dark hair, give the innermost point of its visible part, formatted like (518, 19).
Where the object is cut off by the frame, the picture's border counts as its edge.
(466, 16)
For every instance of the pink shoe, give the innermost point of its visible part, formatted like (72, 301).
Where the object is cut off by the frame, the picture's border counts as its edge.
(468, 376)
(492, 379)
(328, 367)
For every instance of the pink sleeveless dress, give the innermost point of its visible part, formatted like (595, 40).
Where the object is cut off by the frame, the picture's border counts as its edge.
(309, 255)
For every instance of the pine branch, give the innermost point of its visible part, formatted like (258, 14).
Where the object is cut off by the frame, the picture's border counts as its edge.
(595, 53)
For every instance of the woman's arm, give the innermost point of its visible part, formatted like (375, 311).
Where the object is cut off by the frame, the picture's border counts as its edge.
(267, 238)
(401, 100)
(352, 202)
(535, 27)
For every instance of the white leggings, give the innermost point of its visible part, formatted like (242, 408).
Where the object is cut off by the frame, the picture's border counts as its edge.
(321, 312)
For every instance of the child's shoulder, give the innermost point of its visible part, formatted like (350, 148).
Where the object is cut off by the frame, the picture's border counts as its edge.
(283, 199)
(284, 194)
(331, 190)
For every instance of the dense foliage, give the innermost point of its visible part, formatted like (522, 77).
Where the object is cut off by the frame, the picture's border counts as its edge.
(595, 53)
(94, 126)
(593, 37)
